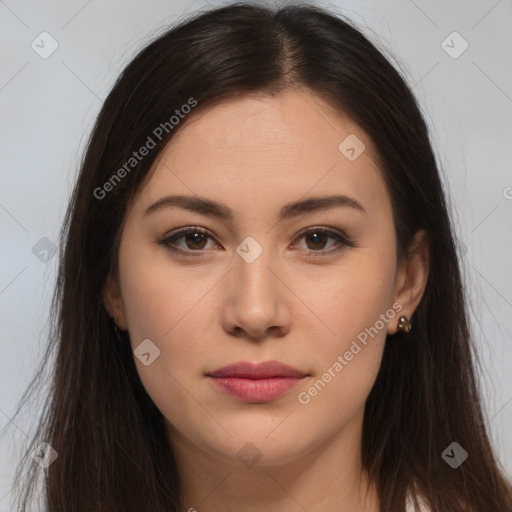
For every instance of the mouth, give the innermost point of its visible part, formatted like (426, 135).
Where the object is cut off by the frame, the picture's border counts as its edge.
(256, 383)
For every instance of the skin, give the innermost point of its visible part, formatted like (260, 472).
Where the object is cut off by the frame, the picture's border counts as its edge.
(255, 154)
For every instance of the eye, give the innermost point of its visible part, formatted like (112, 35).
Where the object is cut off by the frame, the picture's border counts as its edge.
(317, 238)
(195, 240)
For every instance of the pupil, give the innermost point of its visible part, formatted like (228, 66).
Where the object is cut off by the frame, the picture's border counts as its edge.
(196, 238)
(317, 238)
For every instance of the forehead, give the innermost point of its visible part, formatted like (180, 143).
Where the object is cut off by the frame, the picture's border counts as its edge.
(266, 147)
(291, 124)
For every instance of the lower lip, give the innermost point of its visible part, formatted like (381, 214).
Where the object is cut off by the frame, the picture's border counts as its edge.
(256, 390)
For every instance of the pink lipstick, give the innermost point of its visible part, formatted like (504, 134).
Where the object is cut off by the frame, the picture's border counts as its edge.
(261, 382)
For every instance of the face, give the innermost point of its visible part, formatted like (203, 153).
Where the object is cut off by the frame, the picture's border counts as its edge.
(255, 280)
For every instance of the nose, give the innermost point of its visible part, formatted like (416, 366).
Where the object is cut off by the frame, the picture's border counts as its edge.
(256, 307)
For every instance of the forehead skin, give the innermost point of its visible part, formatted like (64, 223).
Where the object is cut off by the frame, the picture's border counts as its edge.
(258, 149)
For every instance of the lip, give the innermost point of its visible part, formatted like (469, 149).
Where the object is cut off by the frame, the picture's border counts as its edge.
(261, 382)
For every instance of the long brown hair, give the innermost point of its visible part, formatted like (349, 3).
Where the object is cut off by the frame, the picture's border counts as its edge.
(113, 452)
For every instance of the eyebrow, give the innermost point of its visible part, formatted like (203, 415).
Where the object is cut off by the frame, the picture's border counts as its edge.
(211, 208)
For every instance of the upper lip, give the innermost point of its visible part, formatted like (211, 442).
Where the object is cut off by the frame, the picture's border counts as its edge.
(264, 370)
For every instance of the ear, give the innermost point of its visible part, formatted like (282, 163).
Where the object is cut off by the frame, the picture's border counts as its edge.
(113, 302)
(411, 278)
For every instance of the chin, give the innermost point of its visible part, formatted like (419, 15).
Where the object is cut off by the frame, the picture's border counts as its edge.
(255, 446)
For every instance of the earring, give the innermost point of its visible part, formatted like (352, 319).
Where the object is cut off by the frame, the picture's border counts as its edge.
(404, 324)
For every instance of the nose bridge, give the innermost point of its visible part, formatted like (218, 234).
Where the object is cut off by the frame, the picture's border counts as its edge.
(254, 282)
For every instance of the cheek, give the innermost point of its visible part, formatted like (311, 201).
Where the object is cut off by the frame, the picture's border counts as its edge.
(158, 312)
(166, 306)
(348, 361)
(158, 296)
(355, 307)
(350, 298)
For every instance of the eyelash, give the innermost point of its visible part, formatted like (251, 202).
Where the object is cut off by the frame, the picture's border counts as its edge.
(168, 241)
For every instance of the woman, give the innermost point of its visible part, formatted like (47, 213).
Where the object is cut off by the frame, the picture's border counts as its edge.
(259, 304)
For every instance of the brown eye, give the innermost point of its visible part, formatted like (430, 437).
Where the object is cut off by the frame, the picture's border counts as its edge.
(194, 240)
(317, 240)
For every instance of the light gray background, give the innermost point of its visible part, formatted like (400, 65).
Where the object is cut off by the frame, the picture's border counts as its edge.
(47, 107)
